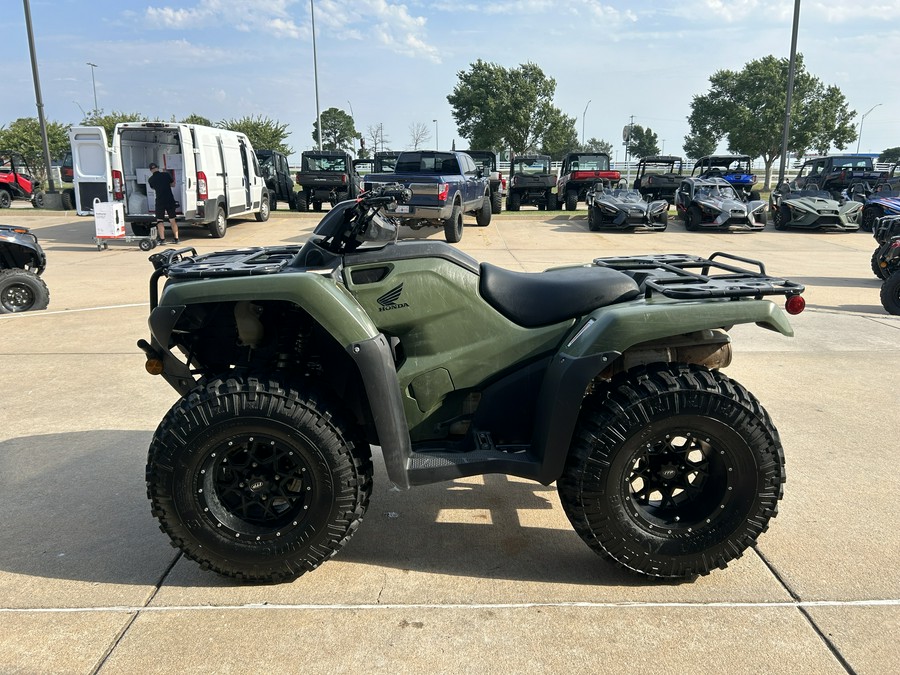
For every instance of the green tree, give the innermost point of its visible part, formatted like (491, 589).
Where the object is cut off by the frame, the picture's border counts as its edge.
(24, 138)
(598, 145)
(96, 118)
(497, 108)
(338, 130)
(748, 107)
(194, 118)
(643, 142)
(560, 136)
(264, 133)
(890, 155)
(698, 145)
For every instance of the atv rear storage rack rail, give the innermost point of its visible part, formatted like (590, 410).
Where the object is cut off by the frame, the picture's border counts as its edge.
(685, 277)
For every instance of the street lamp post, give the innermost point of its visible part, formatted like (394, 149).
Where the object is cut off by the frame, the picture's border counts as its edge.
(583, 115)
(94, 83)
(312, 12)
(437, 143)
(352, 119)
(861, 120)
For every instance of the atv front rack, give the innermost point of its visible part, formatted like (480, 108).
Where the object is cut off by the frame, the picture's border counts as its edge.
(689, 277)
(184, 263)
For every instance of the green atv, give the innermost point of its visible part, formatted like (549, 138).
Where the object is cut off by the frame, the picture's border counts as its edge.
(291, 361)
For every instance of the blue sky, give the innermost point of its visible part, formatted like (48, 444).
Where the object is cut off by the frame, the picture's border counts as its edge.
(394, 63)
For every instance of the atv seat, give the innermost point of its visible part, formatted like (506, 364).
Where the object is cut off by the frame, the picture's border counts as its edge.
(542, 299)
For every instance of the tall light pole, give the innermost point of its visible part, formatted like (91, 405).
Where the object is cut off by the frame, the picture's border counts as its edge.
(39, 100)
(312, 12)
(863, 119)
(583, 115)
(790, 93)
(437, 143)
(94, 83)
(352, 119)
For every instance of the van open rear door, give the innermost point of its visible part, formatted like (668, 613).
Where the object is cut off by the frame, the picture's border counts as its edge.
(91, 170)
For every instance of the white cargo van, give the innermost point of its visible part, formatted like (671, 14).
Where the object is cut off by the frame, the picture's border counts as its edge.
(216, 172)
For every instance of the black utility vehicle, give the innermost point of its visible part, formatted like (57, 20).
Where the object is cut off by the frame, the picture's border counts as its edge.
(658, 177)
(22, 261)
(579, 172)
(325, 176)
(487, 160)
(531, 181)
(277, 174)
(836, 173)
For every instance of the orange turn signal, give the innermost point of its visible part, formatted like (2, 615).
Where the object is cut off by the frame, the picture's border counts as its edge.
(154, 366)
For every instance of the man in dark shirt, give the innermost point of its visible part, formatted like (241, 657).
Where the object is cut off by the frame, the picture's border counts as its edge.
(162, 182)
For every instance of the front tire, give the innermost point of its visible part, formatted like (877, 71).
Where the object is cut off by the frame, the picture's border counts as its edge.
(879, 271)
(22, 291)
(5, 199)
(674, 470)
(692, 219)
(483, 215)
(890, 294)
(514, 201)
(869, 216)
(257, 482)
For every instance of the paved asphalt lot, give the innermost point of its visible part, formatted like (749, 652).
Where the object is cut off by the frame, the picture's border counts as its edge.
(480, 575)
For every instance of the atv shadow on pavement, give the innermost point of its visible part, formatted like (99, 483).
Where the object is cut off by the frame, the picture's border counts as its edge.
(74, 512)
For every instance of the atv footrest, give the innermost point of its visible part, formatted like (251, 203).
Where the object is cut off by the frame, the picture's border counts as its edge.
(686, 277)
(430, 467)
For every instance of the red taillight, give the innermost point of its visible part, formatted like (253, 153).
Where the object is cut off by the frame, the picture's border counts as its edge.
(202, 190)
(795, 304)
(117, 185)
(343, 178)
(444, 190)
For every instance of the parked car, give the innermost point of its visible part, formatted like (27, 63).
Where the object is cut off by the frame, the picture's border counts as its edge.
(836, 173)
(623, 208)
(531, 181)
(659, 176)
(325, 176)
(217, 175)
(877, 205)
(444, 186)
(735, 169)
(579, 171)
(712, 203)
(814, 210)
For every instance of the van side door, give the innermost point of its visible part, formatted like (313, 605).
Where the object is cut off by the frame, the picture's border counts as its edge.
(91, 167)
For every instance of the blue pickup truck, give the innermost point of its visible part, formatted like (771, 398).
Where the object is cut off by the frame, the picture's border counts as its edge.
(444, 185)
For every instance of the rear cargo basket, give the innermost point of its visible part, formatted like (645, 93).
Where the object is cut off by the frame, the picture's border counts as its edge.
(687, 277)
(234, 263)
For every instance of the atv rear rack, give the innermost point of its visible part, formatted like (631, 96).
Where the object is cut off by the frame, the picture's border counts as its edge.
(689, 277)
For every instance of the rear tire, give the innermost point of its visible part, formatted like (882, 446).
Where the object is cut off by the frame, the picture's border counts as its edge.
(496, 203)
(263, 214)
(890, 294)
(514, 202)
(483, 215)
(218, 227)
(68, 200)
(674, 470)
(571, 200)
(551, 201)
(302, 204)
(256, 481)
(22, 291)
(453, 226)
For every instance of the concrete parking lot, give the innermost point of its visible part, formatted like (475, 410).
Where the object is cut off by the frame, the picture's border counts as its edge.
(478, 575)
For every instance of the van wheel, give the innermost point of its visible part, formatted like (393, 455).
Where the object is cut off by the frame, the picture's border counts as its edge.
(453, 226)
(219, 225)
(263, 214)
